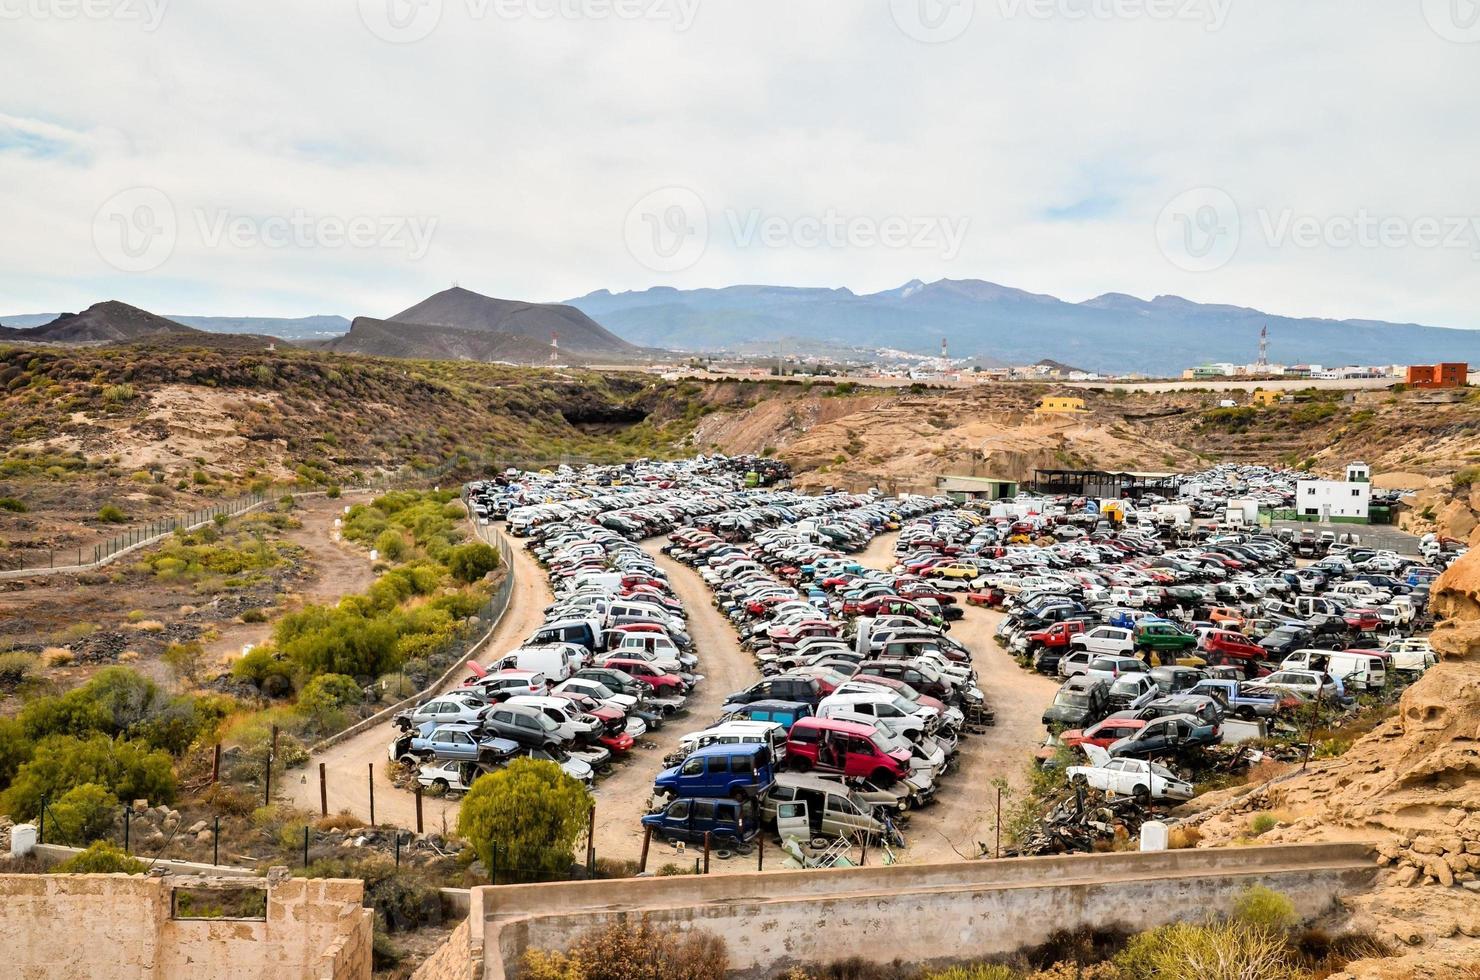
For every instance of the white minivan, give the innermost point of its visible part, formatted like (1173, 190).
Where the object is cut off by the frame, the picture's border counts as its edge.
(1357, 671)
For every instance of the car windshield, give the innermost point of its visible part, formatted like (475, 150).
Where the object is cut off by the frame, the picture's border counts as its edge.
(889, 742)
(1125, 685)
(1071, 699)
(1163, 772)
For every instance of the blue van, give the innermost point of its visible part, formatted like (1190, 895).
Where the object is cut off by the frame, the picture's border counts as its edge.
(728, 822)
(738, 771)
(784, 713)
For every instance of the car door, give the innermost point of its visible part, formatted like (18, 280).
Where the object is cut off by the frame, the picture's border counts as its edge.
(792, 821)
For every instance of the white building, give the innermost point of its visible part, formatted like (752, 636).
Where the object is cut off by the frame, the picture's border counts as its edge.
(1328, 500)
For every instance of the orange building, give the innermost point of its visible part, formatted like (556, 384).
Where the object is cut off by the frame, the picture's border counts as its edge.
(1447, 375)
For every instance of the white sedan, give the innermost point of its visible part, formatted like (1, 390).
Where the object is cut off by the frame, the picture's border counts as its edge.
(1129, 777)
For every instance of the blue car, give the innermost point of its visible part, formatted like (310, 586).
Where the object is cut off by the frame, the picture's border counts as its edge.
(743, 771)
(728, 822)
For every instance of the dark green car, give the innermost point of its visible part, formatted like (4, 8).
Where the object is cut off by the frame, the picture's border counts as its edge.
(1164, 639)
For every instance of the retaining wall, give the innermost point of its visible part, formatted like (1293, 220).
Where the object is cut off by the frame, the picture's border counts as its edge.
(61, 927)
(927, 914)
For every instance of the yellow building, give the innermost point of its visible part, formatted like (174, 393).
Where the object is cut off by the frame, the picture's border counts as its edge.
(1265, 397)
(1059, 406)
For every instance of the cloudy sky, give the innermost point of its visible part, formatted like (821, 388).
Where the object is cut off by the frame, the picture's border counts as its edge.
(290, 157)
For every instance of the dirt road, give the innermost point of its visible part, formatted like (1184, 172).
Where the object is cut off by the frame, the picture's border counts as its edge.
(965, 814)
(337, 569)
(347, 764)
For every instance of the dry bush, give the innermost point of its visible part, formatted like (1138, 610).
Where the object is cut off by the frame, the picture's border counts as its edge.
(1222, 951)
(1184, 837)
(343, 820)
(621, 952)
(1266, 769)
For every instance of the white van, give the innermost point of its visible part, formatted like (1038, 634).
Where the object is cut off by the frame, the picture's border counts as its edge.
(556, 661)
(739, 733)
(1357, 671)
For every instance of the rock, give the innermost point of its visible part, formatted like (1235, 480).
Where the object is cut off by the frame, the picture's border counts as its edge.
(196, 827)
(1406, 876)
(1473, 886)
(1456, 816)
(1441, 871)
(1425, 845)
(1451, 845)
(1472, 847)
(204, 836)
(140, 806)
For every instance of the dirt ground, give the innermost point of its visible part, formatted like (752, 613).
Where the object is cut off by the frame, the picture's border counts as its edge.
(336, 569)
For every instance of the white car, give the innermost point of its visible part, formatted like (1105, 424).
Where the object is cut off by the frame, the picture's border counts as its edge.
(1108, 640)
(1303, 682)
(1128, 777)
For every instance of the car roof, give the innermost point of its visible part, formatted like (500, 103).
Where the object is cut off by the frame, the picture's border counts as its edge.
(742, 748)
(846, 727)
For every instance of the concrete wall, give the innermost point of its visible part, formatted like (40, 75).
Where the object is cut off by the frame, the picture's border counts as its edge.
(927, 914)
(59, 927)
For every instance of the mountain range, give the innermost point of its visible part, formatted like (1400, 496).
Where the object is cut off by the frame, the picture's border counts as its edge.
(109, 322)
(1112, 333)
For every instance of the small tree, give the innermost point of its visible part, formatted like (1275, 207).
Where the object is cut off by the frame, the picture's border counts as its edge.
(84, 814)
(532, 812)
(185, 659)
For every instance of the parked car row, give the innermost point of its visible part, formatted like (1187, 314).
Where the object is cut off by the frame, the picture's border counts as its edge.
(863, 698)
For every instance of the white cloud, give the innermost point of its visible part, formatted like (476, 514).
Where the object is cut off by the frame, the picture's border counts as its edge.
(528, 138)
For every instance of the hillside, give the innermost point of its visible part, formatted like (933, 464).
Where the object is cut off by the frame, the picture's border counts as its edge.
(158, 429)
(109, 322)
(393, 338)
(1110, 333)
(286, 328)
(464, 309)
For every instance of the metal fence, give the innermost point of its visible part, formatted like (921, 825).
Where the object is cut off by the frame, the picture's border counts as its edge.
(145, 534)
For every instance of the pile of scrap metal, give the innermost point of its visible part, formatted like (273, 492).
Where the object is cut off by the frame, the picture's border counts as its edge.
(1083, 819)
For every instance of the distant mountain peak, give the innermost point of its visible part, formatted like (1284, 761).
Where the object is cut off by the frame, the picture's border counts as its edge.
(464, 309)
(110, 321)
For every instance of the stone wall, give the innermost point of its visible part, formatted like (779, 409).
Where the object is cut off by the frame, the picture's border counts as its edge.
(925, 914)
(60, 927)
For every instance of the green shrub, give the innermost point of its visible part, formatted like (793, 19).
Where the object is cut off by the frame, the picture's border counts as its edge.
(129, 770)
(1467, 477)
(109, 514)
(13, 505)
(15, 748)
(391, 545)
(533, 810)
(1265, 908)
(324, 698)
(471, 561)
(1262, 823)
(117, 394)
(83, 814)
(622, 952)
(404, 898)
(1222, 951)
(185, 659)
(101, 858)
(17, 667)
(978, 971)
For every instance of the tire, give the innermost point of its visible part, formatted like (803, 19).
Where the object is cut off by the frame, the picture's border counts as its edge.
(441, 784)
(1079, 780)
(1141, 795)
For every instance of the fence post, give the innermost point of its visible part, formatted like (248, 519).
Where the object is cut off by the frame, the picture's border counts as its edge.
(372, 794)
(418, 806)
(760, 851)
(493, 870)
(305, 847)
(647, 837)
(216, 843)
(126, 811)
(706, 851)
(591, 842)
(216, 765)
(41, 830)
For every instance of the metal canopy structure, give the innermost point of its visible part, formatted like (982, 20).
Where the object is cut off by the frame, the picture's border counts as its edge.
(1105, 484)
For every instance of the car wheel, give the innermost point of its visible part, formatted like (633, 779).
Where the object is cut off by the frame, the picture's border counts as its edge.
(1141, 795)
(440, 785)
(1080, 779)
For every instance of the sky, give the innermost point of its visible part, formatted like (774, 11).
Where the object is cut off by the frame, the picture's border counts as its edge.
(296, 157)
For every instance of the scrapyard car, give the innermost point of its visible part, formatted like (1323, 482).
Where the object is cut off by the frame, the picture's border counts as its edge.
(1129, 777)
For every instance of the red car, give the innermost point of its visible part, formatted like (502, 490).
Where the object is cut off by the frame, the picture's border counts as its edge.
(1233, 644)
(1363, 620)
(1056, 636)
(1103, 733)
(663, 685)
(844, 747)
